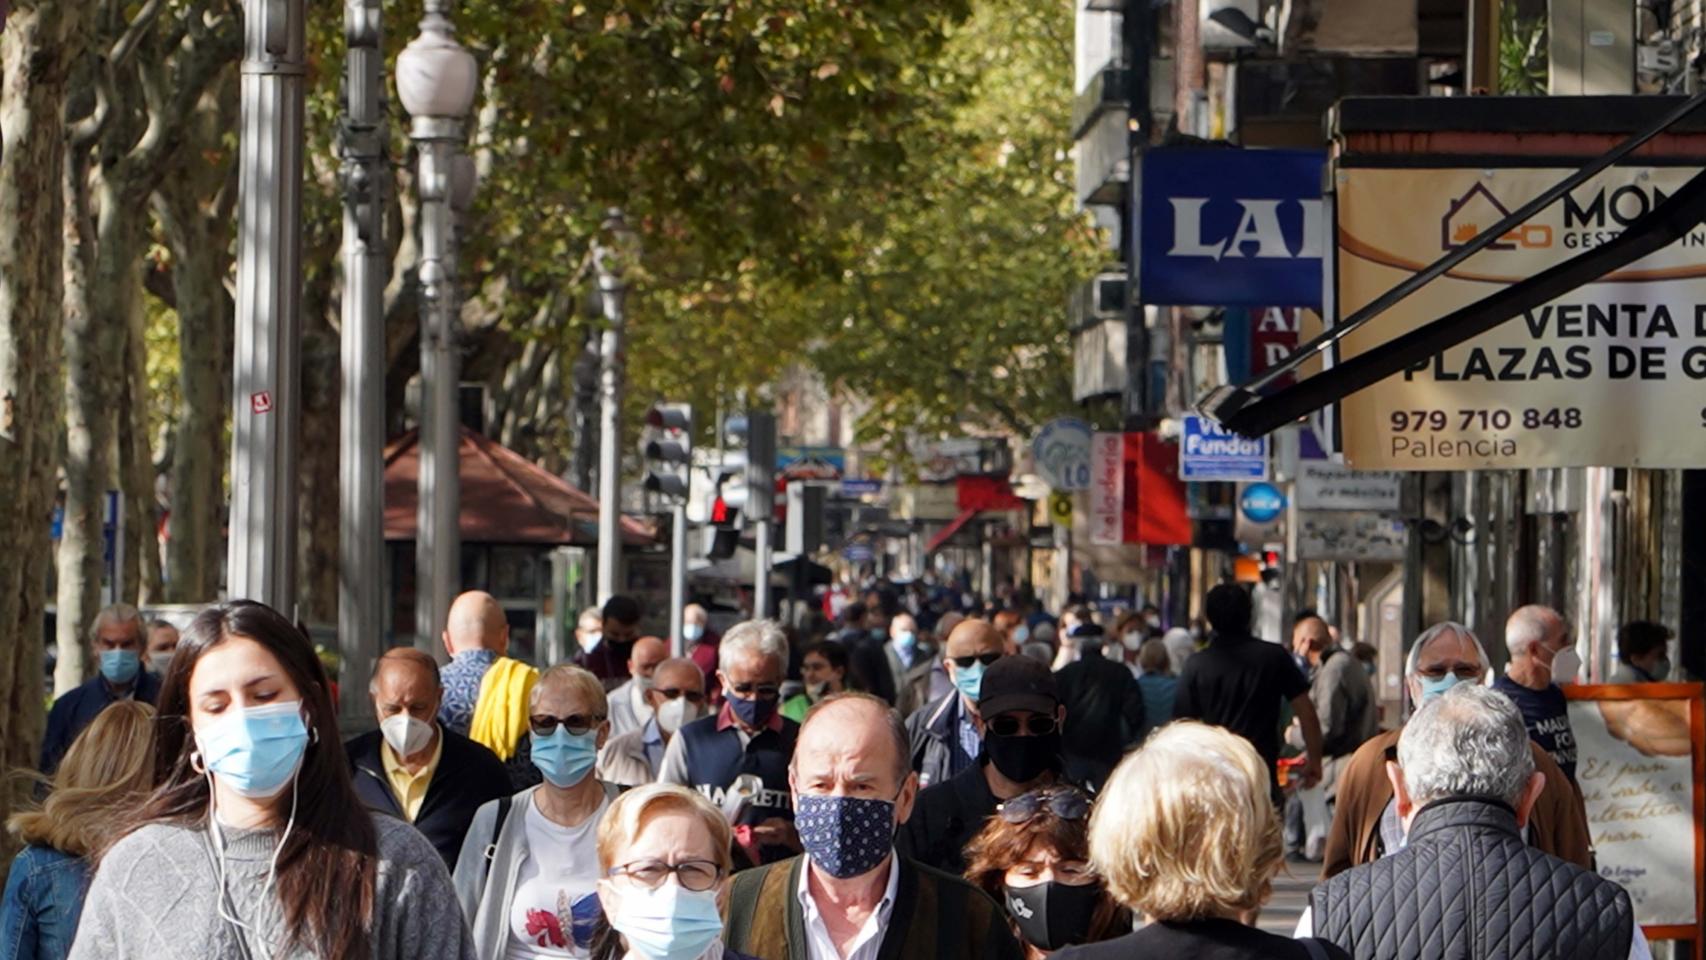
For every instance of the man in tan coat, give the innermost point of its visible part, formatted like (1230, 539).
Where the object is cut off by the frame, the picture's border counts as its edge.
(1366, 824)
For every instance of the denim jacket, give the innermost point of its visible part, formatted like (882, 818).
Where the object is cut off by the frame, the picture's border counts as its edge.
(44, 897)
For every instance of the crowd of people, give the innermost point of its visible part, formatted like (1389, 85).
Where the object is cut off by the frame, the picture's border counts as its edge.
(904, 783)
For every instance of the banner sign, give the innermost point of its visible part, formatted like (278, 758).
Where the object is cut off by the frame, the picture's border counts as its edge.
(1325, 485)
(1611, 374)
(1208, 451)
(1350, 536)
(1107, 489)
(1639, 766)
(1229, 227)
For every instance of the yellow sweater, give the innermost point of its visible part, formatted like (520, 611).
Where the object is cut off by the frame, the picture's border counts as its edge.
(500, 716)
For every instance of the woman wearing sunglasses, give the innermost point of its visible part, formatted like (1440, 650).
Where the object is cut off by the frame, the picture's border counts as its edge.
(528, 873)
(1033, 857)
(663, 851)
(1185, 834)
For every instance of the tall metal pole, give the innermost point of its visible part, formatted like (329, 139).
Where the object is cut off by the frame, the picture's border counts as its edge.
(439, 544)
(761, 568)
(612, 288)
(361, 405)
(261, 564)
(677, 577)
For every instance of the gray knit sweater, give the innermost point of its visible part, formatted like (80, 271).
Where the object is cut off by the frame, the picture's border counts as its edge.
(155, 897)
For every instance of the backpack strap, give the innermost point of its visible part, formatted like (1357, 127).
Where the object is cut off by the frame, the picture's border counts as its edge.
(497, 830)
(1313, 947)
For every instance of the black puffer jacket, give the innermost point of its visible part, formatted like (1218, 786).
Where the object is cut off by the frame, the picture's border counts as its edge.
(1466, 887)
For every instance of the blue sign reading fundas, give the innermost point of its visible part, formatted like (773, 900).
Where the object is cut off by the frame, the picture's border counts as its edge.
(1229, 227)
(1208, 451)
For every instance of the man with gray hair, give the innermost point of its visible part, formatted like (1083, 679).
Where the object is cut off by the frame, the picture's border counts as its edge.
(1465, 884)
(1543, 655)
(748, 738)
(116, 640)
(1366, 825)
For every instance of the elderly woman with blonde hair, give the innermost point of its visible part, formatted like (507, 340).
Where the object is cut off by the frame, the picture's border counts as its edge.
(1185, 835)
(664, 853)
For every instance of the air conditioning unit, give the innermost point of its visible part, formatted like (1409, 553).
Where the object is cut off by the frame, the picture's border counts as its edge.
(1101, 298)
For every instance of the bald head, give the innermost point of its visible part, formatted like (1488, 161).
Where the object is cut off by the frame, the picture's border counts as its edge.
(694, 613)
(1532, 628)
(476, 622)
(852, 737)
(644, 657)
(409, 660)
(970, 638)
(678, 674)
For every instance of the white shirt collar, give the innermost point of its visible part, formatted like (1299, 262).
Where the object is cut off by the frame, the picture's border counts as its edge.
(819, 944)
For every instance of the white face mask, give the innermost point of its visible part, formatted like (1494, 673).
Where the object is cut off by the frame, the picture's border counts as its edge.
(405, 734)
(1133, 639)
(677, 713)
(1566, 665)
(158, 662)
(592, 641)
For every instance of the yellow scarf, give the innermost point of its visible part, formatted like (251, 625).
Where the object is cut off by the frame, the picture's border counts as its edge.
(500, 716)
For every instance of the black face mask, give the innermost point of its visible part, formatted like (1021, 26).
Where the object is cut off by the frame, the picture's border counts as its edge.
(1053, 915)
(1023, 759)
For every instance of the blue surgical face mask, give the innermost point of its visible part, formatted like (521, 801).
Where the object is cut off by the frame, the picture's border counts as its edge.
(906, 640)
(255, 751)
(1021, 633)
(669, 923)
(120, 666)
(969, 680)
(1432, 688)
(691, 632)
(564, 758)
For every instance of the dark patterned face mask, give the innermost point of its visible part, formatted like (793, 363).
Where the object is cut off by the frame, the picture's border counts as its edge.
(845, 836)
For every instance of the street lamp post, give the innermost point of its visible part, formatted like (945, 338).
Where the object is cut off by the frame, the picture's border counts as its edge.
(361, 404)
(613, 292)
(261, 563)
(436, 81)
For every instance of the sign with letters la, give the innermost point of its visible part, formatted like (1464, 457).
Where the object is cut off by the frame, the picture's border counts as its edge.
(1228, 227)
(1611, 374)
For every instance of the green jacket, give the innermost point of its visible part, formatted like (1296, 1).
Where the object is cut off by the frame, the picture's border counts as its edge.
(936, 917)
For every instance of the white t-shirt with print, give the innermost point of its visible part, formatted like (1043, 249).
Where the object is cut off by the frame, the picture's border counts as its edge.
(556, 909)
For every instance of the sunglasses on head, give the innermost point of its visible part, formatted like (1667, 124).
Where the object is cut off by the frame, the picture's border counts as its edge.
(1036, 725)
(577, 724)
(1064, 804)
(964, 663)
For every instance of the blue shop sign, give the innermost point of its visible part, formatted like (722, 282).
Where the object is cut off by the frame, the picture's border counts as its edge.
(1261, 502)
(1230, 227)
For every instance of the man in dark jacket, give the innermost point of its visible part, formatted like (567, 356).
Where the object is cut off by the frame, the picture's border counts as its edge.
(621, 627)
(944, 735)
(851, 894)
(1105, 704)
(116, 639)
(415, 768)
(1020, 715)
(1465, 884)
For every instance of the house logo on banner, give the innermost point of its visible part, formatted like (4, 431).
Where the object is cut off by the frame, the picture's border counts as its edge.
(1610, 374)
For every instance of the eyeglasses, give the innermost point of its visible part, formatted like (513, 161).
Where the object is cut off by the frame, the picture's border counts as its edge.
(1063, 804)
(760, 691)
(579, 725)
(1463, 671)
(1008, 725)
(676, 693)
(695, 875)
(964, 663)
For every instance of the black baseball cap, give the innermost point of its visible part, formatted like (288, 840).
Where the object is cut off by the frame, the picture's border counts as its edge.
(1017, 683)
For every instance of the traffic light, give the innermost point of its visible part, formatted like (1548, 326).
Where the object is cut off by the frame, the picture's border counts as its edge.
(669, 451)
(753, 439)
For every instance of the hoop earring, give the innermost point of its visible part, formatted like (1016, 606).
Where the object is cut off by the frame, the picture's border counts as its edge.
(313, 735)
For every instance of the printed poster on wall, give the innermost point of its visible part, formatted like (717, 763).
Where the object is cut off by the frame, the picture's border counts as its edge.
(1638, 750)
(1612, 374)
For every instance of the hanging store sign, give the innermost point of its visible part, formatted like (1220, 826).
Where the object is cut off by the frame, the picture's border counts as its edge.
(1230, 227)
(1107, 489)
(1325, 485)
(1208, 451)
(1350, 536)
(1611, 374)
(1062, 452)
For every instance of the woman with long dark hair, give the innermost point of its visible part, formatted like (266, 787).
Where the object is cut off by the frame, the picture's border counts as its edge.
(254, 843)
